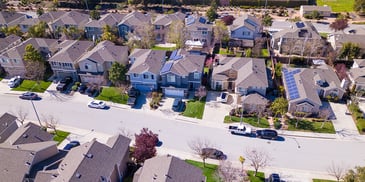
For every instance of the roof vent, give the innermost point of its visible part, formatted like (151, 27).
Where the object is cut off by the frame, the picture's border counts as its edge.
(27, 163)
(25, 136)
(78, 175)
(88, 155)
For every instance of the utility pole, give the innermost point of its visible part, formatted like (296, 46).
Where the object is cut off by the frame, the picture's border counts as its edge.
(36, 113)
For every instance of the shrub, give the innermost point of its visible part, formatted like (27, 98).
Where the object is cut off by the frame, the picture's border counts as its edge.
(74, 87)
(277, 124)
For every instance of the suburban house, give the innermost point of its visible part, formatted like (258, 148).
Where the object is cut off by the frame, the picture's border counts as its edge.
(304, 87)
(131, 22)
(94, 28)
(92, 161)
(9, 42)
(28, 133)
(244, 30)
(357, 75)
(278, 26)
(9, 19)
(144, 74)
(8, 126)
(199, 32)
(252, 103)
(240, 75)
(12, 59)
(94, 65)
(162, 23)
(301, 39)
(64, 62)
(324, 11)
(183, 72)
(338, 39)
(168, 168)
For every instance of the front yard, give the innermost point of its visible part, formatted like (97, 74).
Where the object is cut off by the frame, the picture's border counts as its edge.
(60, 136)
(208, 171)
(113, 94)
(30, 85)
(311, 126)
(194, 108)
(249, 120)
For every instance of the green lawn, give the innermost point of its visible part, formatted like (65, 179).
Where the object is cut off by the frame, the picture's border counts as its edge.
(29, 85)
(265, 53)
(324, 35)
(208, 170)
(194, 109)
(206, 70)
(260, 177)
(223, 51)
(305, 125)
(249, 120)
(113, 94)
(61, 135)
(323, 180)
(163, 48)
(338, 5)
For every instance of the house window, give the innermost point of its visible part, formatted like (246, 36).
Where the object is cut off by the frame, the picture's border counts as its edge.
(152, 77)
(157, 27)
(248, 33)
(15, 61)
(196, 76)
(135, 75)
(86, 66)
(243, 33)
(145, 76)
(204, 40)
(204, 32)
(232, 33)
(170, 78)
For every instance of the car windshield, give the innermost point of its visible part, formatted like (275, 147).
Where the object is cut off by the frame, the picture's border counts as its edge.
(224, 95)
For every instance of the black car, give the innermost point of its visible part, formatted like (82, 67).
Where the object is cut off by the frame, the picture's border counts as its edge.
(274, 178)
(267, 134)
(64, 83)
(178, 105)
(71, 145)
(82, 88)
(29, 96)
(213, 153)
(133, 92)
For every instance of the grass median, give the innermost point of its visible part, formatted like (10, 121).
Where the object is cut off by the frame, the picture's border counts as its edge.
(249, 120)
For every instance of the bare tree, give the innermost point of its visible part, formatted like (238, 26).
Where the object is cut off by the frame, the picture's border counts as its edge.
(50, 122)
(125, 132)
(201, 92)
(336, 170)
(227, 173)
(257, 158)
(324, 114)
(197, 145)
(21, 114)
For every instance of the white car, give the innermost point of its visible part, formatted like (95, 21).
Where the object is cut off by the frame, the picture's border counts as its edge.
(14, 82)
(223, 97)
(96, 104)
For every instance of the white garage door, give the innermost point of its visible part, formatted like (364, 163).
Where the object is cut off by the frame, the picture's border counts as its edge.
(174, 92)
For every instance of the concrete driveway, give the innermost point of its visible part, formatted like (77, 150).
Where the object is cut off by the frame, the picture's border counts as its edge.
(215, 111)
(344, 124)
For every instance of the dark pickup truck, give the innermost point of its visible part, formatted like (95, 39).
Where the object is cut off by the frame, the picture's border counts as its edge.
(64, 83)
(133, 94)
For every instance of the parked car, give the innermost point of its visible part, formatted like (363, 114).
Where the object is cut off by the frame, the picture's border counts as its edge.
(267, 134)
(96, 104)
(178, 105)
(29, 96)
(15, 81)
(82, 88)
(223, 97)
(133, 94)
(92, 91)
(274, 178)
(240, 130)
(64, 83)
(71, 145)
(214, 153)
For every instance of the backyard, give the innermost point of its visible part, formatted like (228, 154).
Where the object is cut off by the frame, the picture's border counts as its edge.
(29, 85)
(195, 108)
(311, 126)
(163, 48)
(338, 5)
(113, 94)
(249, 120)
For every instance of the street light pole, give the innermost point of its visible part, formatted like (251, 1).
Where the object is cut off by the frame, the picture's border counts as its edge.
(36, 113)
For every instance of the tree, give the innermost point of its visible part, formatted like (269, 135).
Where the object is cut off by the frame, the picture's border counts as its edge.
(324, 114)
(212, 11)
(315, 15)
(359, 6)
(145, 145)
(197, 145)
(258, 158)
(21, 115)
(349, 50)
(143, 37)
(357, 175)
(339, 24)
(50, 122)
(94, 14)
(279, 106)
(34, 63)
(201, 92)
(117, 73)
(73, 32)
(278, 67)
(176, 34)
(125, 131)
(228, 20)
(226, 172)
(336, 170)
(266, 20)
(220, 32)
(38, 30)
(108, 34)
(40, 11)
(12, 30)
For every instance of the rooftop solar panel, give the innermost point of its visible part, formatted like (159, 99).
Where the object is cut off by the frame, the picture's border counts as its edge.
(173, 54)
(291, 84)
(166, 67)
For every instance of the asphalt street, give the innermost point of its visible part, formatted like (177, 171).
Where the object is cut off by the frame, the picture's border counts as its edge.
(292, 152)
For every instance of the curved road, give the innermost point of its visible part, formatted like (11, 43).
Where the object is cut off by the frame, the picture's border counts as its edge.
(294, 152)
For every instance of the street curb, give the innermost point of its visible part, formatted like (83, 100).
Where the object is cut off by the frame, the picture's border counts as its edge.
(320, 137)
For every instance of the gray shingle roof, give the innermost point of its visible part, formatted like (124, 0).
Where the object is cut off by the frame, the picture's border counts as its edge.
(168, 169)
(6, 120)
(360, 62)
(147, 60)
(163, 19)
(71, 51)
(246, 20)
(254, 98)
(7, 17)
(51, 16)
(111, 19)
(196, 25)
(92, 160)
(28, 133)
(73, 18)
(189, 63)
(299, 30)
(340, 39)
(315, 8)
(135, 18)
(5, 42)
(106, 51)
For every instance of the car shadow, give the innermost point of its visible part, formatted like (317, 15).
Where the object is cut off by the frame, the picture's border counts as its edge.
(159, 143)
(141, 100)
(106, 108)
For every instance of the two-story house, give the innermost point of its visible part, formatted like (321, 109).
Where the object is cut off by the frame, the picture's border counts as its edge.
(162, 23)
(244, 30)
(183, 72)
(95, 64)
(94, 28)
(12, 59)
(199, 32)
(9, 42)
(357, 75)
(64, 62)
(305, 87)
(67, 20)
(324, 11)
(144, 74)
(132, 21)
(9, 19)
(8, 126)
(240, 75)
(338, 39)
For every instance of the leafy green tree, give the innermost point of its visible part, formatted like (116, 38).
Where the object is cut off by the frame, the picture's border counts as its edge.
(212, 11)
(220, 32)
(12, 30)
(357, 175)
(350, 51)
(108, 34)
(38, 30)
(40, 11)
(359, 6)
(266, 20)
(176, 34)
(315, 15)
(278, 67)
(34, 63)
(73, 32)
(94, 14)
(279, 106)
(117, 73)
(143, 37)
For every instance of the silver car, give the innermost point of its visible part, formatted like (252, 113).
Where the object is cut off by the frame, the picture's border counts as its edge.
(96, 104)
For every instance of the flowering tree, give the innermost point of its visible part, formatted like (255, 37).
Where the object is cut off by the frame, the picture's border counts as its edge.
(145, 145)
